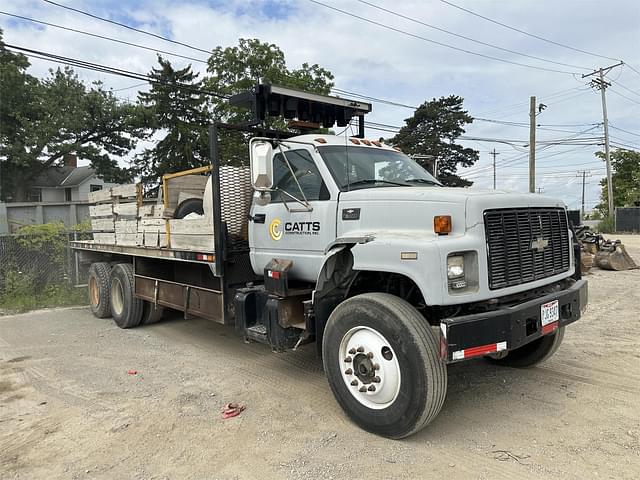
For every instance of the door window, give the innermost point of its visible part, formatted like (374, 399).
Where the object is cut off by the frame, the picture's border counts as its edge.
(303, 172)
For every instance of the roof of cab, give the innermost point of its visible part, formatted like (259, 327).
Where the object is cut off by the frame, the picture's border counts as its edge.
(319, 140)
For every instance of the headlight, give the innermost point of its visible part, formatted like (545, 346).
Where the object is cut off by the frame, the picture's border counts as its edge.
(455, 267)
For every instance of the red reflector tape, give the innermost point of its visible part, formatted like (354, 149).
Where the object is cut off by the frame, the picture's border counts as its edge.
(550, 327)
(477, 351)
(273, 274)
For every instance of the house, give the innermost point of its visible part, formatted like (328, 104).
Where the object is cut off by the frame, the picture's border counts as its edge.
(68, 183)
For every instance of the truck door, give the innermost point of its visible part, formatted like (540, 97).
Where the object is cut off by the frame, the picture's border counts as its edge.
(285, 228)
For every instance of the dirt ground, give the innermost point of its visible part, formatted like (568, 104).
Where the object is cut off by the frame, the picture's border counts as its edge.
(69, 408)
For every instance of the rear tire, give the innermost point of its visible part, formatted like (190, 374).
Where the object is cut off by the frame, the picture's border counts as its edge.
(392, 348)
(99, 289)
(125, 308)
(151, 313)
(533, 353)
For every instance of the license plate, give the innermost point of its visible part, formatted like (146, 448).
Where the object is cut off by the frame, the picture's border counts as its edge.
(549, 312)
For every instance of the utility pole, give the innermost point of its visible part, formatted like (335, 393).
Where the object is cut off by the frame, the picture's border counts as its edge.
(584, 174)
(601, 84)
(494, 153)
(532, 145)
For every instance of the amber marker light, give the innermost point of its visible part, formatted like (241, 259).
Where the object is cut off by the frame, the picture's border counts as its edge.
(442, 224)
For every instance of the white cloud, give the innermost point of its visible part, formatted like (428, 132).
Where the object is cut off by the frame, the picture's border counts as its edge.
(369, 59)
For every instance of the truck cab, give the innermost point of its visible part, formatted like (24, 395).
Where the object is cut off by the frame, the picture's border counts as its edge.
(486, 273)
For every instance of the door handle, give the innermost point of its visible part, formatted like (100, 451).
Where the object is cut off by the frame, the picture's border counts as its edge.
(257, 218)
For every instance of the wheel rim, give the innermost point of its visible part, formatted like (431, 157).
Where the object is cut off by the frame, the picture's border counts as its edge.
(117, 297)
(94, 295)
(369, 367)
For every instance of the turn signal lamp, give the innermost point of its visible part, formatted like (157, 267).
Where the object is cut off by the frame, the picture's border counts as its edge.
(442, 224)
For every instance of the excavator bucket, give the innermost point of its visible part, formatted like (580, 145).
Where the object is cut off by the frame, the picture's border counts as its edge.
(613, 256)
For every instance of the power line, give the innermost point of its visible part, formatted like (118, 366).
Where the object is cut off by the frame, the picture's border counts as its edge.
(527, 33)
(105, 69)
(634, 69)
(625, 131)
(627, 88)
(338, 90)
(126, 26)
(419, 22)
(428, 40)
(130, 87)
(69, 29)
(624, 96)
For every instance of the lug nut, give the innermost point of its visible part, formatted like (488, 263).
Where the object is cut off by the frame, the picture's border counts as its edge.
(347, 360)
(375, 366)
(360, 349)
(354, 383)
(362, 389)
(372, 388)
(352, 351)
(370, 355)
(348, 371)
(375, 379)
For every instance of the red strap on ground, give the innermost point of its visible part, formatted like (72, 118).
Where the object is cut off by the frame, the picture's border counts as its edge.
(231, 410)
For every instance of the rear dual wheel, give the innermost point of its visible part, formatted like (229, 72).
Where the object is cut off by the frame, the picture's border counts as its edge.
(126, 309)
(382, 361)
(98, 287)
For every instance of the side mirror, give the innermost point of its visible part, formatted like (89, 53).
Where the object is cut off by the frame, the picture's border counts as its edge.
(261, 165)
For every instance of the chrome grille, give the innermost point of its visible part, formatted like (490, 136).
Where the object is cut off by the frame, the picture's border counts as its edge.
(525, 244)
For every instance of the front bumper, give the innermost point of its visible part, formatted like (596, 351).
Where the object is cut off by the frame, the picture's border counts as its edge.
(510, 327)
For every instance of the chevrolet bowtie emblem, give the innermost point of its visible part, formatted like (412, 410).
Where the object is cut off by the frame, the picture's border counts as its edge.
(539, 244)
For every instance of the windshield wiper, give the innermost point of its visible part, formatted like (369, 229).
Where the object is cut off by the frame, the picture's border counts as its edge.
(370, 181)
(423, 180)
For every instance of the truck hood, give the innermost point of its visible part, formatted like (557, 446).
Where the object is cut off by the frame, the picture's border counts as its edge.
(450, 195)
(472, 202)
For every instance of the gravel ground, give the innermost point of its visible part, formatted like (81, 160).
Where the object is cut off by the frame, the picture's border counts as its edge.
(70, 409)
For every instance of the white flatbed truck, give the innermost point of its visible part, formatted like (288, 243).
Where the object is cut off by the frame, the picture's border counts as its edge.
(350, 243)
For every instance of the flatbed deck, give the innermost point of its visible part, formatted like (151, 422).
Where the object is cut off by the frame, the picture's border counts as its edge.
(190, 256)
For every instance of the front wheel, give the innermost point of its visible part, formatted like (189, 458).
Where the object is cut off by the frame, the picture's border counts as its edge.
(381, 359)
(532, 353)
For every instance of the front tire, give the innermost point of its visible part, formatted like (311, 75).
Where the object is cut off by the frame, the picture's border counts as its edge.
(382, 361)
(533, 353)
(125, 308)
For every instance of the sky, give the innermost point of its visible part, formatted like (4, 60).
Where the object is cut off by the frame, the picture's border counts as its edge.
(399, 58)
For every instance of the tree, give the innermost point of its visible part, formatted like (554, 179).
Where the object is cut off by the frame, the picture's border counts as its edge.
(432, 130)
(43, 120)
(177, 105)
(236, 69)
(625, 165)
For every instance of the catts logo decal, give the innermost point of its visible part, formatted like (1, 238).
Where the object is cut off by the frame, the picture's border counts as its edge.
(292, 228)
(274, 229)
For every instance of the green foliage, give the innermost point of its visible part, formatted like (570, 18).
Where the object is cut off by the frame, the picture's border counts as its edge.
(32, 273)
(236, 69)
(607, 225)
(182, 113)
(625, 165)
(42, 120)
(432, 130)
(22, 294)
(47, 238)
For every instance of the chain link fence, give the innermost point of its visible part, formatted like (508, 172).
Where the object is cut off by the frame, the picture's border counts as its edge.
(38, 271)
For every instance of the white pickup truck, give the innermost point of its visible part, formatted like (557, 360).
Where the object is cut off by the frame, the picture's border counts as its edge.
(350, 243)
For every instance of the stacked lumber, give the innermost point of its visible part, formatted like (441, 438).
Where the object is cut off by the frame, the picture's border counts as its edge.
(120, 216)
(118, 213)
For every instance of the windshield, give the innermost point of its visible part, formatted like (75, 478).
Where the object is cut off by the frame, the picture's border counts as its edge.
(361, 167)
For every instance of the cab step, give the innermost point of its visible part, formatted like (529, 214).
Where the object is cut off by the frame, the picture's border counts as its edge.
(257, 333)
